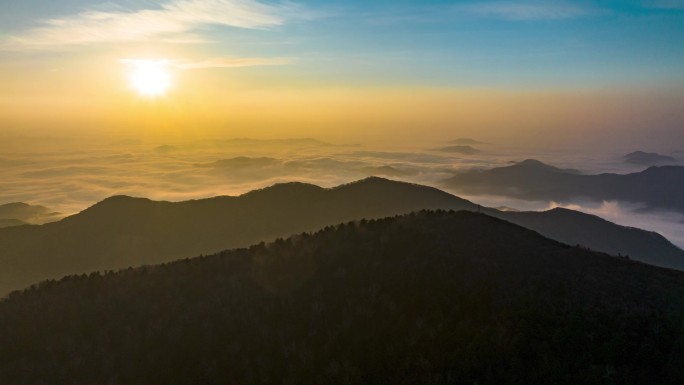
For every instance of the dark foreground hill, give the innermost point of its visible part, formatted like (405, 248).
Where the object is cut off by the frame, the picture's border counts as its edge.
(121, 231)
(428, 298)
(656, 187)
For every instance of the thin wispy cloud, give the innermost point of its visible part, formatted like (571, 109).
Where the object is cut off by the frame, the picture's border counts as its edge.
(172, 20)
(515, 10)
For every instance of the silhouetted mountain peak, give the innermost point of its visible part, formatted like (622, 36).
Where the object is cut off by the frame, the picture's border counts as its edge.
(465, 141)
(120, 199)
(648, 158)
(286, 189)
(561, 210)
(575, 215)
(372, 180)
(22, 213)
(638, 153)
(117, 202)
(14, 205)
(460, 149)
(534, 164)
(375, 182)
(674, 171)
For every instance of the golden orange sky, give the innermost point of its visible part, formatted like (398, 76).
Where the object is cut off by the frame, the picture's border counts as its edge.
(550, 73)
(201, 104)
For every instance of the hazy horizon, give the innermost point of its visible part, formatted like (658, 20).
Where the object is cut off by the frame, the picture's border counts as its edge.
(558, 74)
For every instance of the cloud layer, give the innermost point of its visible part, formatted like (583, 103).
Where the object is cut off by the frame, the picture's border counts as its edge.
(72, 176)
(173, 20)
(71, 180)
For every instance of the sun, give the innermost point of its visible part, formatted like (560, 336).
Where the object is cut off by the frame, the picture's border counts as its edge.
(150, 78)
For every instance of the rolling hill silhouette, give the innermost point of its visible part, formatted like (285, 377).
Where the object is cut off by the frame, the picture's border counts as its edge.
(122, 231)
(427, 298)
(656, 187)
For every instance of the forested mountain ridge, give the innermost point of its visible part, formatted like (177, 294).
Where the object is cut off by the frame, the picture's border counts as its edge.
(122, 231)
(426, 298)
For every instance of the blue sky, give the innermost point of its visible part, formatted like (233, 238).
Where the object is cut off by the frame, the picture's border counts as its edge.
(509, 44)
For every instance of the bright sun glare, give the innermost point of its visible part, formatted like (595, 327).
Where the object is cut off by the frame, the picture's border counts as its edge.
(150, 77)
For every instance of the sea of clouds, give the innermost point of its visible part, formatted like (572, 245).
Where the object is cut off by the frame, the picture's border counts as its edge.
(68, 176)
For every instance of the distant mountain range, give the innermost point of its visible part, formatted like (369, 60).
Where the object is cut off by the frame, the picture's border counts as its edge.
(427, 298)
(297, 142)
(465, 141)
(656, 187)
(19, 213)
(648, 158)
(241, 162)
(123, 231)
(465, 150)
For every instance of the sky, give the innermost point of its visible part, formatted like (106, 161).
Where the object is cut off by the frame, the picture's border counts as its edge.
(538, 72)
(146, 97)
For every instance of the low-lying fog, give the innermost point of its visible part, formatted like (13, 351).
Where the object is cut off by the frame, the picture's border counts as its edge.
(68, 181)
